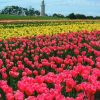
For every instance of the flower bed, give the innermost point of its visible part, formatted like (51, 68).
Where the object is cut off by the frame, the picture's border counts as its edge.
(50, 28)
(58, 67)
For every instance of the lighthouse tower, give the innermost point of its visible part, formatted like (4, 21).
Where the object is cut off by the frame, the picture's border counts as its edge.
(42, 13)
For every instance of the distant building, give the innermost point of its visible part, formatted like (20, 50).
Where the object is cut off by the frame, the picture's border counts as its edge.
(42, 13)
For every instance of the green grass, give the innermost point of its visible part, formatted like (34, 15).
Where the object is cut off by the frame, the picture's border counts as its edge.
(14, 17)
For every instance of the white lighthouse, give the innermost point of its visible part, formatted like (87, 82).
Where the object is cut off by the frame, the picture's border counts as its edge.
(42, 13)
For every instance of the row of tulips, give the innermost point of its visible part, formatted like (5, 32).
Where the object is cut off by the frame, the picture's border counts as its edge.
(58, 67)
(50, 28)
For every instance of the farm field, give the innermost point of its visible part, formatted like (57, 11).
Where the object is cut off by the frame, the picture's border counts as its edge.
(46, 28)
(52, 60)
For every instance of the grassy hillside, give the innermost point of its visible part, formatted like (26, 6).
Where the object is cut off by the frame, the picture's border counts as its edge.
(14, 17)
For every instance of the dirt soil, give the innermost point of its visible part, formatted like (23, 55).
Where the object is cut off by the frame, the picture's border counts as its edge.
(29, 21)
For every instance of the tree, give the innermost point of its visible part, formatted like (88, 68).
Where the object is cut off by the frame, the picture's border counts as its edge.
(90, 17)
(13, 10)
(80, 16)
(55, 15)
(31, 12)
(72, 16)
(37, 13)
(97, 17)
(58, 15)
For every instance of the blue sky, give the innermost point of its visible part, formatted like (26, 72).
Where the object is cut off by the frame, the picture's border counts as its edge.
(87, 7)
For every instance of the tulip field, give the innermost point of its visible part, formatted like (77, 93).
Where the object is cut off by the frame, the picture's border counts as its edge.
(45, 28)
(50, 61)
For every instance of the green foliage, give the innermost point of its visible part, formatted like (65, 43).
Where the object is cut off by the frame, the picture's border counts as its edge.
(16, 17)
(20, 11)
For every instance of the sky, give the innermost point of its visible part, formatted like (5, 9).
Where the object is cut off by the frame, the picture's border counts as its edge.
(87, 7)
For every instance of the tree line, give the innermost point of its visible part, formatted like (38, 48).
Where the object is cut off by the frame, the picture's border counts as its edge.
(75, 16)
(16, 10)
